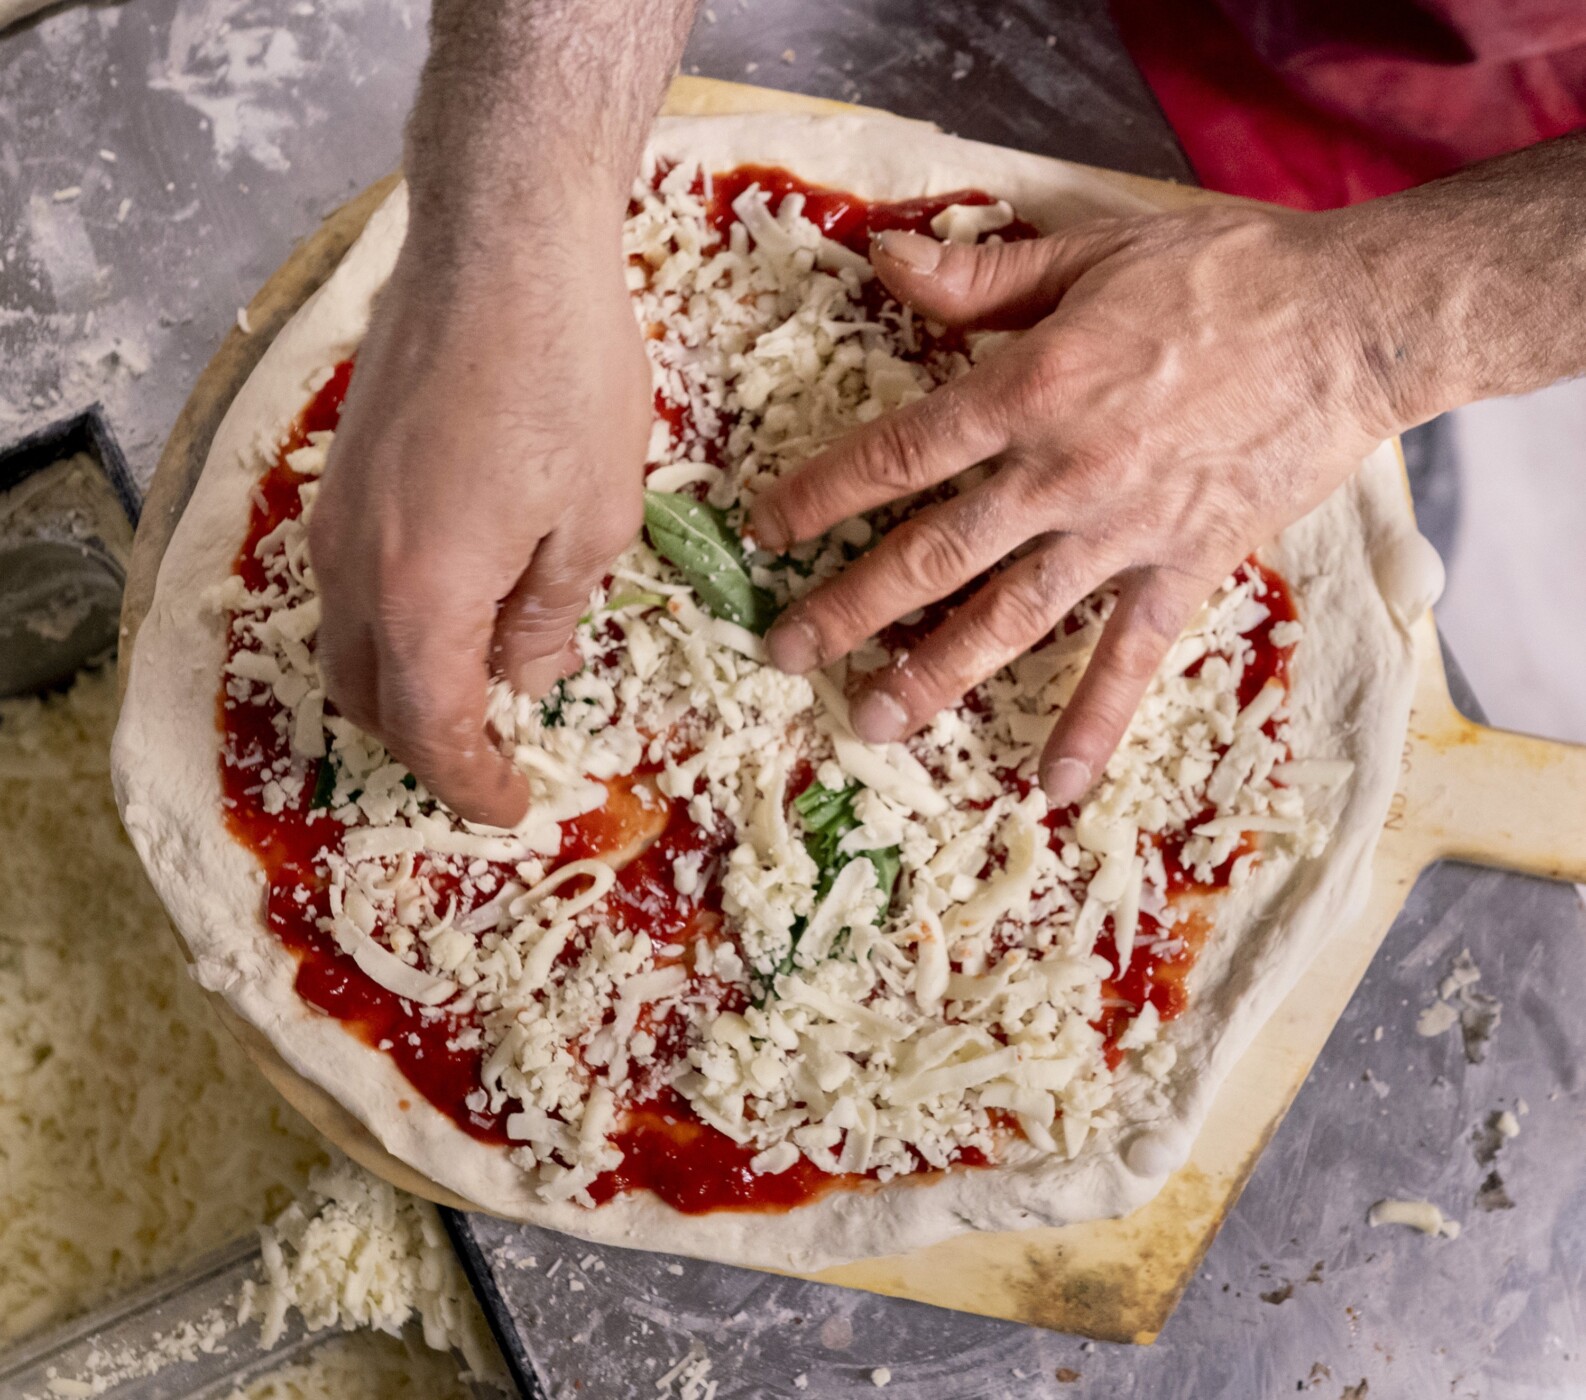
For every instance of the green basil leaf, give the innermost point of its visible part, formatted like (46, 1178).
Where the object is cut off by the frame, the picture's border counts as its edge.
(551, 707)
(887, 861)
(786, 965)
(823, 808)
(324, 785)
(696, 540)
(828, 816)
(638, 598)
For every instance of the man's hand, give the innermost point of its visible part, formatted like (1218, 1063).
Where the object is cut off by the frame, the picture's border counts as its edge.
(1188, 385)
(488, 464)
(486, 471)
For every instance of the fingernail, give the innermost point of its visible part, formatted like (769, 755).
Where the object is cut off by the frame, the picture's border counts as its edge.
(1066, 781)
(911, 249)
(877, 718)
(794, 647)
(572, 660)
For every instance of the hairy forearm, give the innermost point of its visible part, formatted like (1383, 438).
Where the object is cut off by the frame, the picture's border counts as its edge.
(538, 105)
(1478, 281)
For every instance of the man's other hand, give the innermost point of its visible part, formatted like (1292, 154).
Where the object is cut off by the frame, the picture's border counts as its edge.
(1186, 386)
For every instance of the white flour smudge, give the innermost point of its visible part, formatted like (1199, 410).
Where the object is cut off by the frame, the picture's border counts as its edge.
(54, 365)
(59, 243)
(237, 75)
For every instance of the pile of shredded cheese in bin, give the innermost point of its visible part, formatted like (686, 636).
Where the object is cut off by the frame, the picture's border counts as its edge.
(134, 1134)
(941, 972)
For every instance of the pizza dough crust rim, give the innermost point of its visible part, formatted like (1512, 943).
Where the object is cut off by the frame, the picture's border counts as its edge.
(1351, 698)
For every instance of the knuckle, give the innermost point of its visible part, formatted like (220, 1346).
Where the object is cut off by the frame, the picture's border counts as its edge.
(1028, 489)
(522, 649)
(895, 459)
(928, 558)
(403, 613)
(769, 516)
(1134, 655)
(433, 730)
(411, 581)
(1094, 740)
(1098, 719)
(421, 751)
(1163, 610)
(520, 643)
(424, 651)
(1054, 571)
(467, 782)
(1095, 479)
(988, 266)
(1016, 614)
(1226, 534)
(924, 683)
(1035, 387)
(550, 599)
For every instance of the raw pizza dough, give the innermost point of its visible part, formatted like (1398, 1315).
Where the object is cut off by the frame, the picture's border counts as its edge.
(1352, 694)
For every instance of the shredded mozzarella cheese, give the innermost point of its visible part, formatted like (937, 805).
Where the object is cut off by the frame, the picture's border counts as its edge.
(863, 1029)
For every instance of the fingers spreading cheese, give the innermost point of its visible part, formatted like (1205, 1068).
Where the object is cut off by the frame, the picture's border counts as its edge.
(875, 960)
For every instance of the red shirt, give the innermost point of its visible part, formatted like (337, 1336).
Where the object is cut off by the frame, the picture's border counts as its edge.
(1320, 103)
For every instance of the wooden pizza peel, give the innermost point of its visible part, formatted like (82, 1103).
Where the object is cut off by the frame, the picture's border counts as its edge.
(1466, 792)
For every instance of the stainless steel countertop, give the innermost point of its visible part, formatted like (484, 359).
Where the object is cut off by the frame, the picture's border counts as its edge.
(235, 125)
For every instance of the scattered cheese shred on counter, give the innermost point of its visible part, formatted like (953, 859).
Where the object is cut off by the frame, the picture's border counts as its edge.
(690, 1378)
(1418, 1215)
(359, 1254)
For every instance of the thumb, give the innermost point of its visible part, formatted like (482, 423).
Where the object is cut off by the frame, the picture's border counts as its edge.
(535, 622)
(999, 286)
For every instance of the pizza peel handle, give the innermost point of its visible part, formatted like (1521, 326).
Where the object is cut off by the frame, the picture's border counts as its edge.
(1474, 793)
